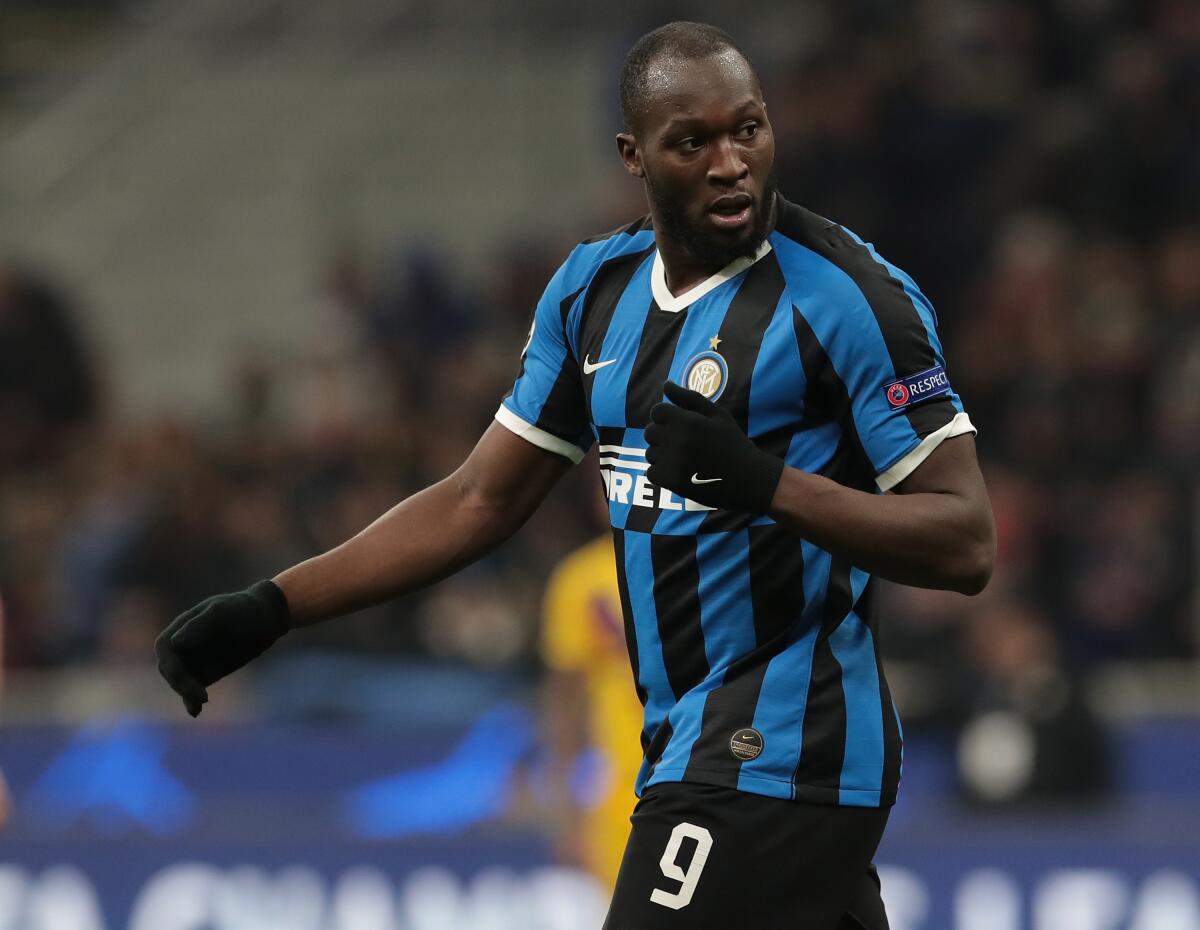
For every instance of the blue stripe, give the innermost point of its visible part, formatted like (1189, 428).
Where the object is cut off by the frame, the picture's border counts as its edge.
(921, 304)
(652, 670)
(621, 342)
(618, 508)
(726, 612)
(862, 766)
(611, 382)
(549, 346)
(585, 261)
(919, 301)
(782, 701)
(853, 646)
(778, 383)
(840, 318)
(704, 320)
(727, 621)
(685, 717)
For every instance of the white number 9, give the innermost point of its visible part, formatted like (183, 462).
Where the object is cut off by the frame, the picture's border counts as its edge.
(672, 870)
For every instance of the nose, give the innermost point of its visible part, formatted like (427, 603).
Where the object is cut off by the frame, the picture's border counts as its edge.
(727, 166)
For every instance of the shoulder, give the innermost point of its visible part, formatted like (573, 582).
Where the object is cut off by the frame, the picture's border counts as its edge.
(586, 258)
(818, 257)
(826, 263)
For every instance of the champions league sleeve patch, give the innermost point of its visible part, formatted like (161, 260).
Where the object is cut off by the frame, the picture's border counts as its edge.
(932, 382)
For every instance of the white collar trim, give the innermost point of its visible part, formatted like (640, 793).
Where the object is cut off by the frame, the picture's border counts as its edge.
(667, 301)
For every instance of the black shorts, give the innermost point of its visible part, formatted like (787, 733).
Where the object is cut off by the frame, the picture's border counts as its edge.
(702, 857)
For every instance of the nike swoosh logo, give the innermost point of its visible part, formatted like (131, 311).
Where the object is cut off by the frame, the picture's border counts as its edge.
(589, 366)
(696, 479)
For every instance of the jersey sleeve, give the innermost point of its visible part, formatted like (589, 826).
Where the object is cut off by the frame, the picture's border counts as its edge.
(546, 404)
(885, 350)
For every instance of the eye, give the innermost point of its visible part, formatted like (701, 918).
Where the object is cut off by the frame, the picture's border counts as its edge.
(690, 144)
(747, 131)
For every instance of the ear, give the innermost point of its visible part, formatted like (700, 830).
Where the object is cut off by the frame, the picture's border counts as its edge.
(631, 156)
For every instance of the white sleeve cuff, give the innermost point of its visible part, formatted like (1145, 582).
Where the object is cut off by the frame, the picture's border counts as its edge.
(539, 437)
(908, 464)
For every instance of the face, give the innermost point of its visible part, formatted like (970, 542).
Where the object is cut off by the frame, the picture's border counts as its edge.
(704, 147)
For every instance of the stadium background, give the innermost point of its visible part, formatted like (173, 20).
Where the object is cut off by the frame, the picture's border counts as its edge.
(265, 268)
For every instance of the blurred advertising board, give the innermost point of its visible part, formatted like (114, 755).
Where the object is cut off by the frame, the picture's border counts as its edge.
(135, 825)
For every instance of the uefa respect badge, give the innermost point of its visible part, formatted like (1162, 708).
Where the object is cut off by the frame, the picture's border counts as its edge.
(932, 382)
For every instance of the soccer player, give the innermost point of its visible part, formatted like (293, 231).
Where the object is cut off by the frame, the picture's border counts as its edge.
(758, 380)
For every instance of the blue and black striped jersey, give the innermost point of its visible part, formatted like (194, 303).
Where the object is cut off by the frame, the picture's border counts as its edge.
(754, 652)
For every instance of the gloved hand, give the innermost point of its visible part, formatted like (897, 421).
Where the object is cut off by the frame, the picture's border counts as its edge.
(697, 450)
(218, 636)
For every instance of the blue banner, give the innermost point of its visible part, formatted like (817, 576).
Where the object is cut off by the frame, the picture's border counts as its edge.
(137, 826)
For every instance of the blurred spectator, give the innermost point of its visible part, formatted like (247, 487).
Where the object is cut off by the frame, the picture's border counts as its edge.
(1028, 736)
(1035, 166)
(47, 381)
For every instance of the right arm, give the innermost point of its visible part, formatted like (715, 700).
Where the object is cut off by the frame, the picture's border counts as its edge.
(542, 428)
(426, 537)
(430, 535)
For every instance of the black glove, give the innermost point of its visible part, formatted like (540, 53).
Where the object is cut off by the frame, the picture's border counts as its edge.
(697, 450)
(218, 636)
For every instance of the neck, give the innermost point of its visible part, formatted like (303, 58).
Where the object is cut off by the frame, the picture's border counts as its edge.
(681, 268)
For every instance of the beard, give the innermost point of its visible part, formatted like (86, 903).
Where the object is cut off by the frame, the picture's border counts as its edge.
(708, 246)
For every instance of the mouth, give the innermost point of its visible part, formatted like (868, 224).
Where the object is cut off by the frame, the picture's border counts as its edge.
(731, 212)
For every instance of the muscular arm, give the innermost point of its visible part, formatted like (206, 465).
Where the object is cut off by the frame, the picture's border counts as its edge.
(937, 531)
(430, 535)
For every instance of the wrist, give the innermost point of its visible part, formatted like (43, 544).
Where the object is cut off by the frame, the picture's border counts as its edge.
(274, 602)
(764, 477)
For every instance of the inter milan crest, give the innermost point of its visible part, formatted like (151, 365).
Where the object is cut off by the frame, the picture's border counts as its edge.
(707, 372)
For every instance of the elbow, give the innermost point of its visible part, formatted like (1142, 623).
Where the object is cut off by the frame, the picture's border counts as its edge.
(975, 563)
(974, 579)
(492, 518)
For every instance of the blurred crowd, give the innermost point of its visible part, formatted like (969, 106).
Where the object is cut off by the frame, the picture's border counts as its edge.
(1034, 165)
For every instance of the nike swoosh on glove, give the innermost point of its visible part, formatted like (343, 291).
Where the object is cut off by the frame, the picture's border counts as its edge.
(218, 636)
(697, 450)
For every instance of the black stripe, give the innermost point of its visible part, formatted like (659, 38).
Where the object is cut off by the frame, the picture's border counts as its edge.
(604, 291)
(677, 603)
(824, 741)
(866, 610)
(627, 614)
(600, 304)
(776, 560)
(827, 400)
(903, 331)
(563, 309)
(651, 365)
(629, 229)
(746, 321)
(653, 748)
(563, 408)
(610, 435)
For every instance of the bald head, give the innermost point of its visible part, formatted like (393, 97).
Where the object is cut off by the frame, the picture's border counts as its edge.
(657, 58)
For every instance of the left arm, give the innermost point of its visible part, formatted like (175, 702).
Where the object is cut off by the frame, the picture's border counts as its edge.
(936, 531)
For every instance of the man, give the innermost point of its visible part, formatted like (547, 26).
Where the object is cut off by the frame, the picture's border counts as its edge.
(802, 377)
